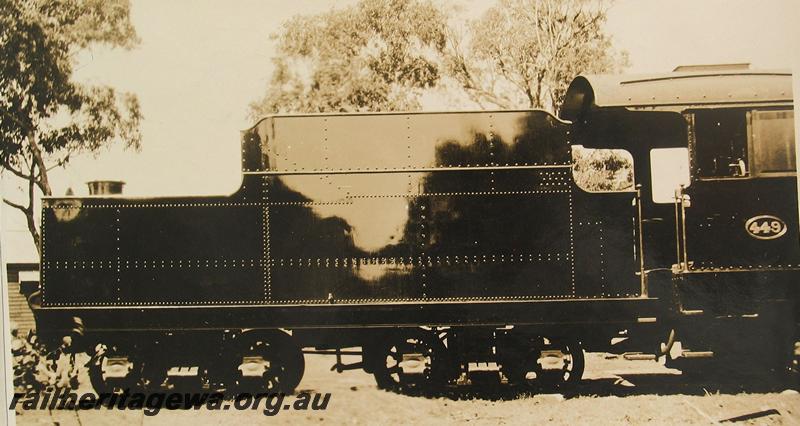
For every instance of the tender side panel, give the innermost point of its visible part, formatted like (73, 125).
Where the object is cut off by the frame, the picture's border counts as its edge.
(470, 243)
(408, 141)
(605, 244)
(358, 209)
(493, 216)
(173, 251)
(78, 254)
(191, 253)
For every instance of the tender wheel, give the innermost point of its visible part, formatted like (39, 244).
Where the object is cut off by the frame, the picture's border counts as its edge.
(111, 371)
(411, 361)
(269, 361)
(546, 363)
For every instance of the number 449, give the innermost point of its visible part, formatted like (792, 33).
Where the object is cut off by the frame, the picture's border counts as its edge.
(766, 227)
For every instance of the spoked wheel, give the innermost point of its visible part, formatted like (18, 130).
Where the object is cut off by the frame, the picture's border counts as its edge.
(547, 364)
(111, 371)
(411, 361)
(269, 361)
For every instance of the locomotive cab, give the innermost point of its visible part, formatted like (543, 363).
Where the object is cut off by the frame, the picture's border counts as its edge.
(715, 155)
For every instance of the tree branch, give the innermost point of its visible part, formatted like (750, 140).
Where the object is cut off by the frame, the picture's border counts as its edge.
(42, 182)
(29, 212)
(59, 163)
(31, 181)
(15, 172)
(15, 205)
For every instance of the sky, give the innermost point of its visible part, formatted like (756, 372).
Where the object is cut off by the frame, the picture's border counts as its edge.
(201, 62)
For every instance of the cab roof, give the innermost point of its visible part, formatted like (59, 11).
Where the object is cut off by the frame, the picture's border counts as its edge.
(685, 87)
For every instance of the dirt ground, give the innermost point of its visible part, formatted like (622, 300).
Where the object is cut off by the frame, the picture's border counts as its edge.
(614, 391)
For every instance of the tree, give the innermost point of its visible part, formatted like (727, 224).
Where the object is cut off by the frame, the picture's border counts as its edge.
(45, 117)
(385, 54)
(376, 55)
(524, 53)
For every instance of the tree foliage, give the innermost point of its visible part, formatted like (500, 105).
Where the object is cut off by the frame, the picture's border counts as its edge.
(600, 170)
(524, 53)
(385, 54)
(45, 116)
(372, 56)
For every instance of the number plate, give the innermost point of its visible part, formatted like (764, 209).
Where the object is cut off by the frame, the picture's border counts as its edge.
(765, 227)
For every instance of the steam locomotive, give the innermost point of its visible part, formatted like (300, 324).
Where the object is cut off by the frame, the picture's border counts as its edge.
(445, 246)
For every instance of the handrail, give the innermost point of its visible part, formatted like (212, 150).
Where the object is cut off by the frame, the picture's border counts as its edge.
(640, 240)
(681, 203)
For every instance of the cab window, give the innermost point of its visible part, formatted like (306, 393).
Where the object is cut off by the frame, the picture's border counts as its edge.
(602, 170)
(721, 143)
(669, 170)
(737, 143)
(773, 142)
